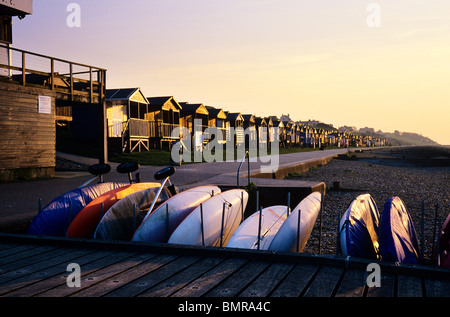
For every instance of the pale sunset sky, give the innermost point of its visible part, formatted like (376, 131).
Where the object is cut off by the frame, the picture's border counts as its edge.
(311, 59)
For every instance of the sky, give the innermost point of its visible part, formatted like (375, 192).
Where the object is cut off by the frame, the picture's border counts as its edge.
(380, 64)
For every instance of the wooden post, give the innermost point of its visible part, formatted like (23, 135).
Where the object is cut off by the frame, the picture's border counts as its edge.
(24, 77)
(103, 126)
(71, 81)
(52, 75)
(91, 85)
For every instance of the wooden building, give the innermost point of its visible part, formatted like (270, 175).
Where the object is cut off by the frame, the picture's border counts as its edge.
(236, 122)
(128, 120)
(250, 130)
(31, 88)
(164, 116)
(218, 119)
(195, 117)
(261, 130)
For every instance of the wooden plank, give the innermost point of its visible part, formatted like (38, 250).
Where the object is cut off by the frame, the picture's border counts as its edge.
(87, 273)
(387, 287)
(238, 281)
(296, 281)
(23, 258)
(108, 285)
(267, 281)
(185, 274)
(353, 284)
(7, 250)
(32, 264)
(437, 288)
(409, 286)
(324, 282)
(111, 270)
(150, 283)
(36, 273)
(51, 277)
(211, 278)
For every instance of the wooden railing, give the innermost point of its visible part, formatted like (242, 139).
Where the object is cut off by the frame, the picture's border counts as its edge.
(66, 77)
(158, 129)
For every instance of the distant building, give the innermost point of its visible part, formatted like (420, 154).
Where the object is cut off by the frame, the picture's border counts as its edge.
(367, 130)
(348, 129)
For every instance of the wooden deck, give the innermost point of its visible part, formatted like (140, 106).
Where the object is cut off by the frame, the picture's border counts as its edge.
(37, 266)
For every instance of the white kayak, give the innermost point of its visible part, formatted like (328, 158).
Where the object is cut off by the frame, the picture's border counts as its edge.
(120, 221)
(157, 227)
(246, 235)
(288, 238)
(226, 208)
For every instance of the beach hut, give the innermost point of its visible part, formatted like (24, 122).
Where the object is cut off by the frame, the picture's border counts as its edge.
(195, 117)
(261, 130)
(127, 117)
(218, 119)
(164, 117)
(250, 130)
(236, 122)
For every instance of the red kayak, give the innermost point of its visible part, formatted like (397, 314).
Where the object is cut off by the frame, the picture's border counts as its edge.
(85, 223)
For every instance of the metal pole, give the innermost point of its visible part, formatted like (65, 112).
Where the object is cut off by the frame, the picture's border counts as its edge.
(70, 212)
(422, 238)
(288, 204)
(338, 233)
(248, 167)
(257, 200)
(320, 223)
(221, 230)
(259, 229)
(298, 229)
(438, 244)
(201, 224)
(39, 205)
(435, 223)
(134, 217)
(167, 222)
(242, 206)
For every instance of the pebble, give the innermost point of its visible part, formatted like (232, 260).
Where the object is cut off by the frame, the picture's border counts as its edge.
(414, 185)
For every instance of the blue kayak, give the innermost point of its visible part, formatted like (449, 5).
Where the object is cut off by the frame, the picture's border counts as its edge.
(55, 218)
(397, 235)
(358, 228)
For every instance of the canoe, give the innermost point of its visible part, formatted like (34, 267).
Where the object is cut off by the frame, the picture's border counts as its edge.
(121, 220)
(157, 227)
(358, 228)
(189, 232)
(396, 234)
(443, 256)
(85, 223)
(246, 235)
(55, 218)
(288, 239)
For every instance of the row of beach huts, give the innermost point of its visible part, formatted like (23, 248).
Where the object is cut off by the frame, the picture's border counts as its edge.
(139, 123)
